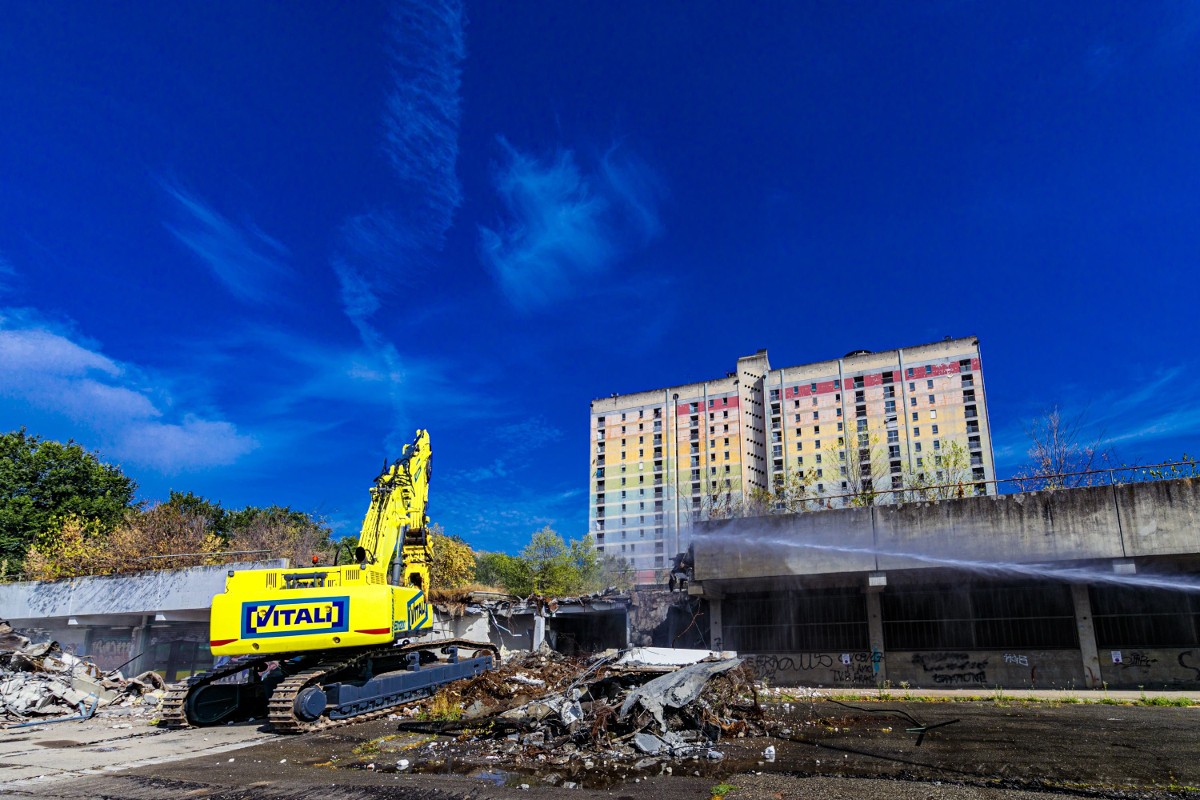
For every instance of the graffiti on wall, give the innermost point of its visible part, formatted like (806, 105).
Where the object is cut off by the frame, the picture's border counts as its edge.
(858, 667)
(952, 669)
(1150, 666)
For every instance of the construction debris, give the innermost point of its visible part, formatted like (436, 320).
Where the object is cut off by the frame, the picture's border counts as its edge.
(621, 710)
(42, 680)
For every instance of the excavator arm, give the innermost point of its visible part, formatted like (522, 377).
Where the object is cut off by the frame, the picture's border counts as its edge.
(394, 542)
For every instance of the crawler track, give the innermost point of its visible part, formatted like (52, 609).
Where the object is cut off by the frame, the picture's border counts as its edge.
(281, 703)
(173, 713)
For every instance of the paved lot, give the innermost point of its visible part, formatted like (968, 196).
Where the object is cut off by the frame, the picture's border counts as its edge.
(49, 754)
(1006, 750)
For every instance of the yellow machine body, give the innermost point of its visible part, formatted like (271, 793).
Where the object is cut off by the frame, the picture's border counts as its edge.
(376, 600)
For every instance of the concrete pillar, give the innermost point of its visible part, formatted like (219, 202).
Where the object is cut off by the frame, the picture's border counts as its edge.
(875, 634)
(716, 636)
(1087, 635)
(539, 629)
(141, 644)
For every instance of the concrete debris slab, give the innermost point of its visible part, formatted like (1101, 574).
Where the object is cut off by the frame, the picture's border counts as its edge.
(42, 680)
(669, 656)
(675, 689)
(648, 743)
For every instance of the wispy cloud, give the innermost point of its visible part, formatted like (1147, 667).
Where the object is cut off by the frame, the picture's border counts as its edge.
(383, 246)
(529, 434)
(427, 46)
(519, 441)
(566, 225)
(49, 369)
(504, 520)
(1151, 418)
(497, 469)
(247, 261)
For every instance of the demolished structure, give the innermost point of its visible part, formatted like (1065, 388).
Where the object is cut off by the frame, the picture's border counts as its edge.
(41, 682)
(631, 710)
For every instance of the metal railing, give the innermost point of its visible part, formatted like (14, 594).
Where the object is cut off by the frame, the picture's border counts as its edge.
(1105, 476)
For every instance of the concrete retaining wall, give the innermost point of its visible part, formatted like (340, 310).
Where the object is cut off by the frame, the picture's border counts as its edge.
(1154, 669)
(99, 596)
(959, 669)
(1102, 522)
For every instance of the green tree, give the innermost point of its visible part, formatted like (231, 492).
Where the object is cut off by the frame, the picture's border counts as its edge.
(550, 566)
(503, 571)
(940, 475)
(193, 506)
(43, 482)
(586, 564)
(863, 466)
(283, 531)
(789, 494)
(453, 561)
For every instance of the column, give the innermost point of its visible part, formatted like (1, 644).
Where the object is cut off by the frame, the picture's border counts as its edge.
(716, 636)
(141, 642)
(1087, 635)
(875, 634)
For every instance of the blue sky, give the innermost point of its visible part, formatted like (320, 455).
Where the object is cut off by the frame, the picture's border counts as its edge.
(246, 248)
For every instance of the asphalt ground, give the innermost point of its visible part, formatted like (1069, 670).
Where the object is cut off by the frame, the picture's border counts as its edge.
(1001, 747)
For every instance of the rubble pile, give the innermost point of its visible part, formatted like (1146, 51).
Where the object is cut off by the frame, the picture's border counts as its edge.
(548, 712)
(42, 680)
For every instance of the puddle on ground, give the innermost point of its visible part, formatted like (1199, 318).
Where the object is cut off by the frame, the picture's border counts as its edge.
(499, 777)
(59, 744)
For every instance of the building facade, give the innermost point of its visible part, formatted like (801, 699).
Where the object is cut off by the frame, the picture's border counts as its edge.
(868, 427)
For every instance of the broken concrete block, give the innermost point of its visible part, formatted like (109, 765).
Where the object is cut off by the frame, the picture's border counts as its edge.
(675, 689)
(91, 686)
(648, 743)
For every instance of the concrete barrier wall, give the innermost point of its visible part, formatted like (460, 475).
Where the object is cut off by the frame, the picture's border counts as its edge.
(1102, 522)
(1160, 518)
(758, 546)
(956, 669)
(106, 595)
(853, 670)
(1149, 668)
(987, 669)
(1038, 526)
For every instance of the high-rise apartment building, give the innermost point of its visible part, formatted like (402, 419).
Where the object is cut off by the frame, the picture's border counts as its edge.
(883, 425)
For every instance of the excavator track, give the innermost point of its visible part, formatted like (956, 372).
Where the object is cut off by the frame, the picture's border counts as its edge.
(282, 707)
(173, 713)
(281, 703)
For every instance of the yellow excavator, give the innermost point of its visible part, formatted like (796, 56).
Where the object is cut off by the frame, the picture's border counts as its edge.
(314, 646)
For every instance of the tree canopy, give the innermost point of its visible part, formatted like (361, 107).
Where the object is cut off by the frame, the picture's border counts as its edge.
(548, 565)
(43, 482)
(453, 562)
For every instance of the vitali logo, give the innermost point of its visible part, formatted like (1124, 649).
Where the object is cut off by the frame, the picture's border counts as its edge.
(295, 617)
